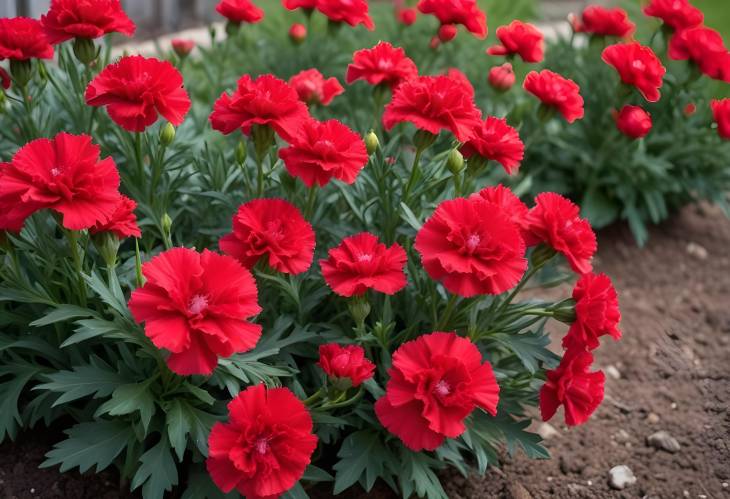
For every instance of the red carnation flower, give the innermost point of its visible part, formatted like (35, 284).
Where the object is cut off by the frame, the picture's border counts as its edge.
(197, 306)
(271, 228)
(182, 47)
(633, 122)
(637, 65)
(67, 19)
(522, 39)
(265, 447)
(457, 76)
(721, 113)
(135, 89)
(352, 12)
(4, 79)
(434, 103)
(596, 312)
(509, 203)
(472, 247)
(299, 4)
(240, 11)
(63, 174)
(602, 21)
(22, 38)
(495, 140)
(313, 88)
(382, 64)
(464, 12)
(555, 221)
(703, 47)
(557, 92)
(501, 78)
(122, 223)
(436, 381)
(361, 262)
(267, 100)
(345, 362)
(572, 386)
(323, 150)
(677, 14)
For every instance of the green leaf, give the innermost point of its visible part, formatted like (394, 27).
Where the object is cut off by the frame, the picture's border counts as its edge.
(417, 475)
(530, 347)
(599, 209)
(200, 486)
(516, 436)
(109, 296)
(178, 427)
(63, 313)
(90, 444)
(360, 457)
(314, 474)
(97, 379)
(157, 471)
(93, 328)
(10, 392)
(296, 492)
(409, 217)
(130, 398)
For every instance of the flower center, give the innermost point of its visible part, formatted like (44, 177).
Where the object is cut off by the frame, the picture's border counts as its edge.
(442, 388)
(638, 65)
(275, 230)
(473, 241)
(198, 304)
(365, 257)
(261, 445)
(385, 64)
(55, 172)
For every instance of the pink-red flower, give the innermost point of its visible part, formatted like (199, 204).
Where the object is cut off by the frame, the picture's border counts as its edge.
(571, 385)
(596, 312)
(361, 262)
(352, 12)
(197, 306)
(637, 65)
(434, 103)
(555, 221)
(67, 19)
(382, 64)
(136, 89)
(313, 88)
(633, 122)
(436, 381)
(703, 47)
(495, 140)
(603, 21)
(520, 38)
(63, 174)
(122, 223)
(299, 4)
(267, 100)
(273, 229)
(472, 247)
(182, 47)
(345, 363)
(265, 447)
(721, 114)
(501, 78)
(509, 203)
(556, 91)
(464, 12)
(677, 14)
(22, 38)
(240, 11)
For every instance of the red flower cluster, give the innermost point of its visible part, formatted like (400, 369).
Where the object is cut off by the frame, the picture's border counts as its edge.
(312, 87)
(596, 312)
(352, 12)
(721, 113)
(602, 21)
(135, 89)
(22, 38)
(382, 64)
(361, 262)
(345, 363)
(519, 38)
(677, 14)
(464, 12)
(122, 223)
(501, 78)
(557, 92)
(637, 65)
(633, 122)
(240, 11)
(271, 228)
(67, 19)
(436, 381)
(265, 447)
(197, 306)
(495, 140)
(703, 47)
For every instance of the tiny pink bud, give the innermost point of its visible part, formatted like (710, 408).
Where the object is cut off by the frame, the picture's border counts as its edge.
(406, 16)
(502, 77)
(633, 122)
(182, 47)
(297, 33)
(447, 32)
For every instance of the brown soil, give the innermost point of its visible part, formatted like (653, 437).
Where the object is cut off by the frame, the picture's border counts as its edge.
(674, 376)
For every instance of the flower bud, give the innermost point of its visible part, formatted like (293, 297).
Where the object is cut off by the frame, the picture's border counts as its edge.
(241, 153)
(447, 32)
(455, 161)
(297, 33)
(423, 139)
(633, 122)
(167, 134)
(22, 71)
(359, 309)
(434, 43)
(166, 223)
(371, 142)
(406, 16)
(107, 244)
(182, 47)
(502, 78)
(85, 50)
(566, 313)
(690, 109)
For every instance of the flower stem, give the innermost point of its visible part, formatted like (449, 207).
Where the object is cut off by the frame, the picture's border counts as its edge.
(311, 202)
(415, 170)
(314, 398)
(78, 264)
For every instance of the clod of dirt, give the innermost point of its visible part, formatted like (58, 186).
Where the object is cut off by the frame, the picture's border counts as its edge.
(620, 477)
(663, 441)
(518, 491)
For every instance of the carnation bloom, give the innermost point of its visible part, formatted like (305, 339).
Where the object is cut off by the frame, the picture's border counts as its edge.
(637, 65)
(323, 150)
(240, 11)
(557, 92)
(265, 447)
(89, 19)
(522, 39)
(703, 47)
(596, 312)
(602, 21)
(434, 103)
(502, 77)
(574, 387)
(555, 221)
(361, 262)
(509, 203)
(633, 122)
(267, 100)
(352, 12)
(677, 14)
(313, 88)
(22, 38)
(63, 174)
(721, 113)
(472, 247)
(182, 47)
(495, 140)
(197, 306)
(436, 381)
(382, 64)
(122, 223)
(345, 362)
(273, 229)
(135, 89)
(464, 12)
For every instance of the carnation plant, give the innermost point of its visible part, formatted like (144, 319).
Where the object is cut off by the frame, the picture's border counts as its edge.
(245, 292)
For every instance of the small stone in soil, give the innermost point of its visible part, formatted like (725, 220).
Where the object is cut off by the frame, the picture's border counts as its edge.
(547, 431)
(652, 418)
(696, 250)
(613, 372)
(622, 436)
(620, 477)
(518, 491)
(664, 441)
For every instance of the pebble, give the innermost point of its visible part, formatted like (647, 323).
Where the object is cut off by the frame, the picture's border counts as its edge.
(664, 441)
(697, 251)
(622, 436)
(518, 491)
(613, 372)
(620, 477)
(547, 431)
(652, 418)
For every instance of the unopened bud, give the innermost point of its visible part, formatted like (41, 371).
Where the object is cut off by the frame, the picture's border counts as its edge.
(85, 50)
(447, 32)
(359, 309)
(241, 152)
(182, 47)
(167, 134)
(297, 33)
(107, 244)
(166, 223)
(371, 142)
(455, 161)
(502, 78)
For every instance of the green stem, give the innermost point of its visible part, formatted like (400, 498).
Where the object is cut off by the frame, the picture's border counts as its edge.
(444, 322)
(314, 398)
(528, 275)
(414, 175)
(311, 202)
(138, 158)
(78, 264)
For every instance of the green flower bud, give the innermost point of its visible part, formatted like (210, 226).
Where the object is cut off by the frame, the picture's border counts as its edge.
(455, 162)
(167, 134)
(166, 223)
(241, 153)
(566, 313)
(22, 72)
(423, 139)
(85, 50)
(359, 309)
(371, 142)
(107, 244)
